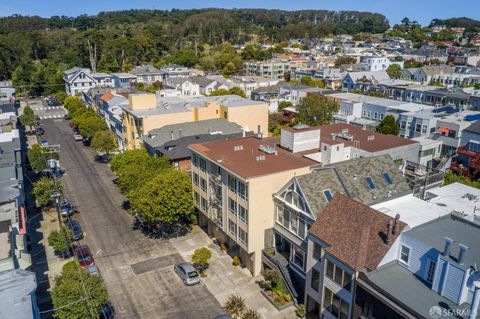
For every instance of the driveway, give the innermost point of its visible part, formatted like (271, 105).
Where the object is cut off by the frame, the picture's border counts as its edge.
(223, 279)
(138, 270)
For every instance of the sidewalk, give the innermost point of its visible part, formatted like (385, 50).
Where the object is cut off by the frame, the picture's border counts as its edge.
(223, 279)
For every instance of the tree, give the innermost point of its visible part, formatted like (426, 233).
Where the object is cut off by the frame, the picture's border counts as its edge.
(90, 125)
(394, 71)
(28, 118)
(61, 240)
(388, 126)
(128, 158)
(345, 60)
(61, 96)
(316, 109)
(43, 190)
(77, 294)
(200, 258)
(38, 156)
(232, 91)
(104, 142)
(284, 104)
(234, 306)
(164, 199)
(450, 178)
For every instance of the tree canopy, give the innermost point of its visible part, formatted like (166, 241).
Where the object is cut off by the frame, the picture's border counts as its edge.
(38, 157)
(388, 126)
(43, 189)
(28, 117)
(394, 71)
(164, 199)
(104, 142)
(77, 294)
(316, 109)
(232, 91)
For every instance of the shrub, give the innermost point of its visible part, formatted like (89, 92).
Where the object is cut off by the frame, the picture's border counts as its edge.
(272, 277)
(236, 261)
(200, 258)
(301, 311)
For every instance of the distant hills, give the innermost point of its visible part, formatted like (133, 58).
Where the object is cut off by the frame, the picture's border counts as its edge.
(458, 23)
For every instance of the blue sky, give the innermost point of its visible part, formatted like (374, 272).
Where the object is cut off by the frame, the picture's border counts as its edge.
(420, 10)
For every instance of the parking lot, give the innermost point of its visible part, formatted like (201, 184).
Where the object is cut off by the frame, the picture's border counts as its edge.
(138, 270)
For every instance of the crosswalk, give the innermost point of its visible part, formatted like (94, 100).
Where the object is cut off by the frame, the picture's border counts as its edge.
(46, 108)
(56, 116)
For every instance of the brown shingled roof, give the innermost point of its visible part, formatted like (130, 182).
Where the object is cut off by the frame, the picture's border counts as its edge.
(241, 156)
(355, 233)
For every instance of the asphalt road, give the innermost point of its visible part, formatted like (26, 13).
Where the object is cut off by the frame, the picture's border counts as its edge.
(138, 270)
(41, 108)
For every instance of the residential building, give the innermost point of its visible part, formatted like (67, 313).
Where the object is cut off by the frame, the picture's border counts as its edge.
(300, 202)
(173, 140)
(124, 80)
(362, 80)
(269, 69)
(184, 86)
(103, 80)
(428, 73)
(147, 74)
(296, 93)
(430, 151)
(146, 112)
(17, 295)
(206, 85)
(7, 92)
(233, 182)
(378, 63)
(346, 239)
(174, 71)
(78, 80)
(450, 129)
(111, 109)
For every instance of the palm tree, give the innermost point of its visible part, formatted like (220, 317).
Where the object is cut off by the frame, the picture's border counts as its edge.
(251, 314)
(234, 306)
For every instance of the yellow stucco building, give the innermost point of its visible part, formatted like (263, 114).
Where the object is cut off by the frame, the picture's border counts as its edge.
(147, 111)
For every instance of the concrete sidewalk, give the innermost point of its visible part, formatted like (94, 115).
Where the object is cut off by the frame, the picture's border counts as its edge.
(223, 279)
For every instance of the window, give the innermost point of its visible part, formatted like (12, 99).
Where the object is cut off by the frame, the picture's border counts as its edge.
(328, 195)
(232, 183)
(403, 125)
(370, 182)
(232, 206)
(197, 198)
(387, 178)
(203, 184)
(317, 251)
(418, 128)
(452, 133)
(330, 269)
(375, 115)
(232, 227)
(335, 305)
(279, 215)
(424, 129)
(195, 179)
(338, 275)
(242, 190)
(298, 257)
(315, 279)
(382, 116)
(243, 213)
(294, 222)
(195, 159)
(242, 235)
(431, 271)
(203, 202)
(203, 164)
(405, 254)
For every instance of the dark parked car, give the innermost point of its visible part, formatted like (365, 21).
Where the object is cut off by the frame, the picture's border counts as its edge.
(74, 226)
(40, 131)
(107, 311)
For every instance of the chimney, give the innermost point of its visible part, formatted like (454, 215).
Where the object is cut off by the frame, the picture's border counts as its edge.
(395, 225)
(389, 232)
(171, 135)
(461, 254)
(448, 244)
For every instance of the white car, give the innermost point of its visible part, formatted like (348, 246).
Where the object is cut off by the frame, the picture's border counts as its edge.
(77, 137)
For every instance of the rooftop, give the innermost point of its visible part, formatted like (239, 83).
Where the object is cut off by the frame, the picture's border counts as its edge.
(355, 233)
(243, 157)
(16, 286)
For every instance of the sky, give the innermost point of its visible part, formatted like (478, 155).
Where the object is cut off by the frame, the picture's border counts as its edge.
(422, 11)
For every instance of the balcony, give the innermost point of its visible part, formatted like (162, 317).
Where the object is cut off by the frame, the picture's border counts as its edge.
(463, 151)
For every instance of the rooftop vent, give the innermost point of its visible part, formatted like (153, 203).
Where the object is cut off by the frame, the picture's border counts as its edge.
(470, 197)
(268, 149)
(371, 138)
(238, 148)
(300, 126)
(343, 135)
(260, 158)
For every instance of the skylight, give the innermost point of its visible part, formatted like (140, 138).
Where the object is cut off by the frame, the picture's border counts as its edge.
(328, 195)
(387, 178)
(370, 182)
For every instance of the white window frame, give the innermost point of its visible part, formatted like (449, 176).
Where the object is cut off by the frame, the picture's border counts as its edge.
(409, 254)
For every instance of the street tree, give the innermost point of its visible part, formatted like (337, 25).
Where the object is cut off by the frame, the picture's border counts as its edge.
(28, 118)
(61, 241)
(104, 142)
(316, 110)
(38, 157)
(164, 199)
(388, 126)
(394, 71)
(43, 191)
(129, 158)
(90, 125)
(73, 103)
(77, 294)
(234, 306)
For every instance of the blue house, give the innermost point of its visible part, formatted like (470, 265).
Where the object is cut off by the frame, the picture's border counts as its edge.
(124, 80)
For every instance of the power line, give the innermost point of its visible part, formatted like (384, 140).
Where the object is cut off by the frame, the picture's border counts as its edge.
(64, 306)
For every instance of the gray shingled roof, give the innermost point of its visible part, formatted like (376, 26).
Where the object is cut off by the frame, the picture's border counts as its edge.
(474, 128)
(16, 286)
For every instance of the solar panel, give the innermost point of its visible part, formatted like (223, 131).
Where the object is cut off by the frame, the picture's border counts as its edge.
(370, 182)
(387, 178)
(328, 195)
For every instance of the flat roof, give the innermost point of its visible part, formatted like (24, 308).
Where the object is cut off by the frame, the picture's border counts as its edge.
(242, 156)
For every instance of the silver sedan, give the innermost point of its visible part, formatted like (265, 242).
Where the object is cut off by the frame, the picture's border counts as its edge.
(187, 273)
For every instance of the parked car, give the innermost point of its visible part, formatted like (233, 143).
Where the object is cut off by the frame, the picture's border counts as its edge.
(107, 311)
(40, 131)
(77, 137)
(93, 270)
(65, 208)
(84, 256)
(44, 143)
(74, 226)
(223, 317)
(187, 273)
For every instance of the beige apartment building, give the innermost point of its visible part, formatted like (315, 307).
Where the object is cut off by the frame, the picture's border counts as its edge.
(233, 182)
(146, 112)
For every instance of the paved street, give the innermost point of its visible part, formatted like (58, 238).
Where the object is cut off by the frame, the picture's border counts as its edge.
(40, 107)
(138, 270)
